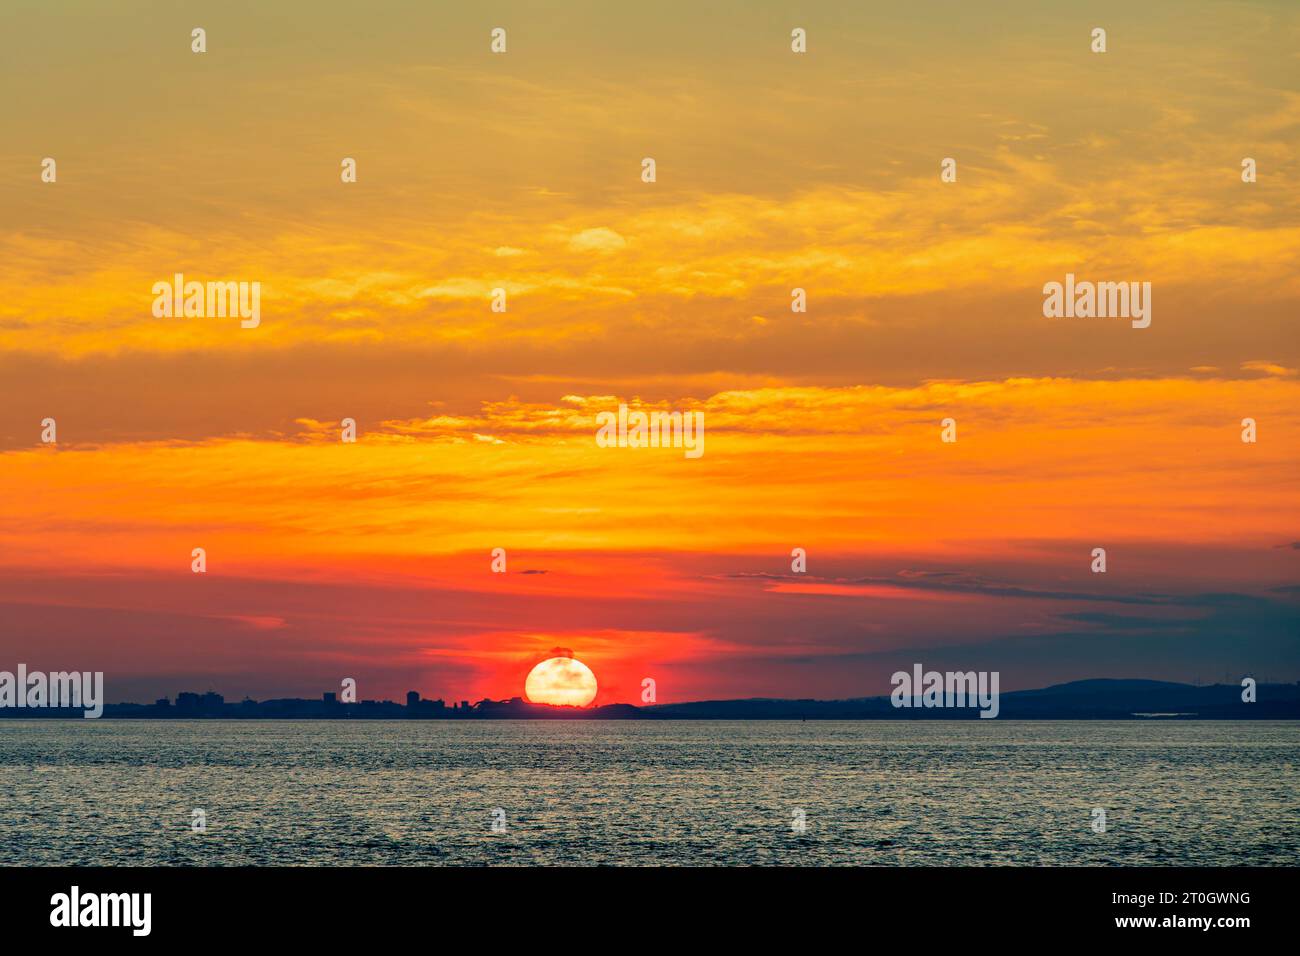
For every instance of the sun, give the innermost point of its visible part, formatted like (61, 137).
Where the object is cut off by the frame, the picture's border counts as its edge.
(561, 680)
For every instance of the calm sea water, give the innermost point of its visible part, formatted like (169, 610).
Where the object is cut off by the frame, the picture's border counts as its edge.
(622, 792)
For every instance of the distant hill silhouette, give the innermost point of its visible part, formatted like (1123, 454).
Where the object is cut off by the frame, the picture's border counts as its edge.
(1098, 699)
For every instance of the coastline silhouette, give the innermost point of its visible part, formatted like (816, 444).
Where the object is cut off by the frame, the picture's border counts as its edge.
(1097, 699)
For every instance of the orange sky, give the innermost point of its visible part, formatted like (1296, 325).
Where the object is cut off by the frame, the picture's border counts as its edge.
(476, 428)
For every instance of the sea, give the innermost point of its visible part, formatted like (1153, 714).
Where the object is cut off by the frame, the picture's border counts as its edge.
(646, 793)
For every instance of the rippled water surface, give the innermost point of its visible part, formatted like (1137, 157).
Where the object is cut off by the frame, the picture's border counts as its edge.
(679, 792)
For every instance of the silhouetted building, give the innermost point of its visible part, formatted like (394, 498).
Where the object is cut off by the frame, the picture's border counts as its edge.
(412, 698)
(208, 705)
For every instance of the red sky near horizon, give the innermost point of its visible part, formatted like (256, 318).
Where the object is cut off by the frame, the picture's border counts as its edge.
(476, 429)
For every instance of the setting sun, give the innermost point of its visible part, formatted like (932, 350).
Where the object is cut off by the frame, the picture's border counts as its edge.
(562, 681)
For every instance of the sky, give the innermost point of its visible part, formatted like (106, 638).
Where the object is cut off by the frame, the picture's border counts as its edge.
(476, 429)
